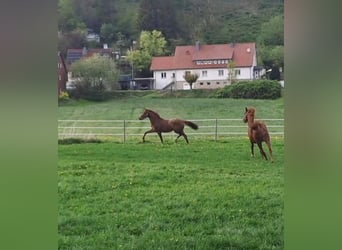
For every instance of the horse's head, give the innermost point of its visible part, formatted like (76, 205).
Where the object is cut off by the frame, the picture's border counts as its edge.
(144, 115)
(249, 112)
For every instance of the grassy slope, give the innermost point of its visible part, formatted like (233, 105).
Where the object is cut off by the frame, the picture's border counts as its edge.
(204, 195)
(194, 108)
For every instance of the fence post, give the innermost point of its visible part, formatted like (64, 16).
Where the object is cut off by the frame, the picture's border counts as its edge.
(124, 132)
(216, 129)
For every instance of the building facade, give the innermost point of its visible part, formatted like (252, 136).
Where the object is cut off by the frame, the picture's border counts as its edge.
(216, 65)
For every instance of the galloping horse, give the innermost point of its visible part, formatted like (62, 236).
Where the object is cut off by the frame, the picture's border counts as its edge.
(257, 132)
(159, 125)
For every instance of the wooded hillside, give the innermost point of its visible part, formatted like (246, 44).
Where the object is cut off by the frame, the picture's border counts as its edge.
(181, 21)
(119, 22)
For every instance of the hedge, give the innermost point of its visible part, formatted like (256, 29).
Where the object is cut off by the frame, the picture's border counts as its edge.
(256, 89)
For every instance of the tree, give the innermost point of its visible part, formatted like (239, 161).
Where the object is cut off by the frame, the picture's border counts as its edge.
(67, 18)
(231, 71)
(190, 78)
(158, 15)
(272, 32)
(73, 39)
(151, 43)
(271, 42)
(96, 72)
(107, 32)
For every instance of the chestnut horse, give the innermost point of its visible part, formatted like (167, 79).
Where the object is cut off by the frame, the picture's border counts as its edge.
(159, 125)
(257, 132)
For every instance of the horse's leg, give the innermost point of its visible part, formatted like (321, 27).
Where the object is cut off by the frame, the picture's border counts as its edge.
(262, 152)
(147, 132)
(270, 149)
(160, 136)
(179, 135)
(252, 149)
(186, 138)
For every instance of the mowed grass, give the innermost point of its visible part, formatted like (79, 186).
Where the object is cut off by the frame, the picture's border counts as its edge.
(205, 195)
(186, 108)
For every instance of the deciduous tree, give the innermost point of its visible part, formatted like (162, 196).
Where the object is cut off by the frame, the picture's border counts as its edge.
(151, 43)
(190, 78)
(96, 72)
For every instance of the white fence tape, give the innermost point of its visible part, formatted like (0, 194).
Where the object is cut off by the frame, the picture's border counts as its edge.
(123, 129)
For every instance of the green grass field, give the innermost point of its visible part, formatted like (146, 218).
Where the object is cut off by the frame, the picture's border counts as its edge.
(187, 108)
(205, 195)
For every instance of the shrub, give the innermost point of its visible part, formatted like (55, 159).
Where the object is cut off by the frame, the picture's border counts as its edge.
(63, 96)
(222, 92)
(257, 89)
(67, 141)
(90, 93)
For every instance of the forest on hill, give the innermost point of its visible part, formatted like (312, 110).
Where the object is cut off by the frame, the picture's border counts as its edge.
(120, 22)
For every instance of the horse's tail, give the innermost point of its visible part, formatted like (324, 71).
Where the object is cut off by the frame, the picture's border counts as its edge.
(191, 124)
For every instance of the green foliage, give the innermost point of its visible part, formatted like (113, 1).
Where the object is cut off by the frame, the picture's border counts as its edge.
(257, 89)
(68, 20)
(271, 42)
(272, 55)
(151, 43)
(190, 78)
(63, 96)
(96, 71)
(107, 32)
(158, 15)
(228, 21)
(72, 39)
(95, 76)
(231, 71)
(272, 32)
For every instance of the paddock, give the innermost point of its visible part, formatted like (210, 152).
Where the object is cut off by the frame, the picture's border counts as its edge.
(127, 130)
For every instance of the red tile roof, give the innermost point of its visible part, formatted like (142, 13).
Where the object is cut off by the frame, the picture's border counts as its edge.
(185, 56)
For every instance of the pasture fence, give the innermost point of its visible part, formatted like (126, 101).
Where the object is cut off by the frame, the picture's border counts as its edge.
(124, 130)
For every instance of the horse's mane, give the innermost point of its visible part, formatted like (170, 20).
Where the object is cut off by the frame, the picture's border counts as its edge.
(153, 112)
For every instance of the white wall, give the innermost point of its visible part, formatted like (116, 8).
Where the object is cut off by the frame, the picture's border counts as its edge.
(213, 76)
(160, 82)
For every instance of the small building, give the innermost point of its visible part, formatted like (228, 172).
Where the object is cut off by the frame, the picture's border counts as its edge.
(210, 62)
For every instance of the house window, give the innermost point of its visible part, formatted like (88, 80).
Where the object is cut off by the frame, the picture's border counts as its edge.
(220, 72)
(204, 73)
(163, 75)
(237, 72)
(187, 73)
(208, 83)
(173, 75)
(201, 83)
(217, 83)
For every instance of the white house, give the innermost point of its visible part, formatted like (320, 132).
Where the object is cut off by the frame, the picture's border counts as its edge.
(210, 62)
